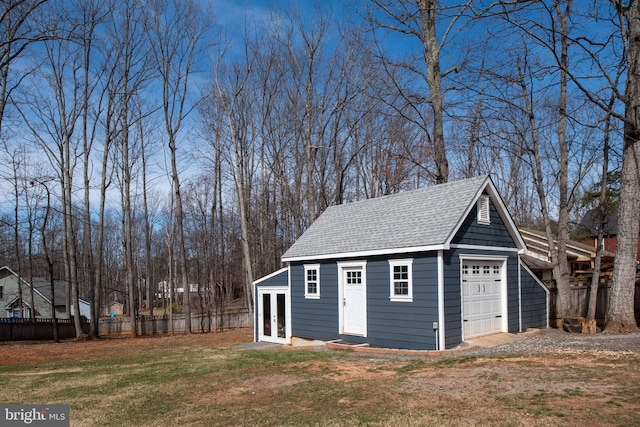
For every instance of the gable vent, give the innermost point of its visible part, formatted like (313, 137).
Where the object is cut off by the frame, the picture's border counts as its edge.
(483, 210)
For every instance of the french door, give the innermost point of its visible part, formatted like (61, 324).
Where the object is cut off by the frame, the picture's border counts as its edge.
(272, 315)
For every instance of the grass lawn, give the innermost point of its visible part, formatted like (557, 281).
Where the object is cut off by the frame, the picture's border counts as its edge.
(207, 380)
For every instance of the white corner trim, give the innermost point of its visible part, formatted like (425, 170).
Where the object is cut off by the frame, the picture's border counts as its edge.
(441, 325)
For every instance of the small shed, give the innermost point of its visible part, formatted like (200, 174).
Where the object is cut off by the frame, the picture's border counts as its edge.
(424, 269)
(115, 307)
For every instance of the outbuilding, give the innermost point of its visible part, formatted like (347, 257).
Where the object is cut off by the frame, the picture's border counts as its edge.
(423, 269)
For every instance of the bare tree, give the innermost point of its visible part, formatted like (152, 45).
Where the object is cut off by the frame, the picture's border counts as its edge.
(47, 254)
(546, 35)
(178, 28)
(618, 48)
(20, 28)
(621, 310)
(16, 161)
(52, 115)
(232, 93)
(420, 20)
(132, 74)
(94, 13)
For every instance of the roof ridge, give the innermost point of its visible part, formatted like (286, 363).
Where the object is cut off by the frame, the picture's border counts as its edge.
(408, 192)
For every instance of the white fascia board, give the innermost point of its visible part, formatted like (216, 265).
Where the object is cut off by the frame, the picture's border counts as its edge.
(506, 217)
(522, 264)
(502, 211)
(467, 211)
(364, 254)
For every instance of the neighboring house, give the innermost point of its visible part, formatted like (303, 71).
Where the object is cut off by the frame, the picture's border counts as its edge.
(580, 256)
(10, 296)
(164, 289)
(85, 308)
(589, 225)
(424, 269)
(581, 263)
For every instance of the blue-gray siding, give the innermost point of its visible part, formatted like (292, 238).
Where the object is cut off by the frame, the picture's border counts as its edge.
(315, 318)
(410, 324)
(494, 235)
(473, 233)
(453, 292)
(389, 323)
(281, 279)
(534, 312)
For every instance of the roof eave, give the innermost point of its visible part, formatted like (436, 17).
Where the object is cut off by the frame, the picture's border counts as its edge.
(363, 254)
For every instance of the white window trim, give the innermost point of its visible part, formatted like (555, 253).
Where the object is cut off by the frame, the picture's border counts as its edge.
(315, 295)
(398, 262)
(484, 210)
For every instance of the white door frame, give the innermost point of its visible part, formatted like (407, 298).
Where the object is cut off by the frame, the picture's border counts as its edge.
(503, 287)
(342, 266)
(274, 291)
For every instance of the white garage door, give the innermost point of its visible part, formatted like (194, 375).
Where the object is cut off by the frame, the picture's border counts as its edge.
(481, 297)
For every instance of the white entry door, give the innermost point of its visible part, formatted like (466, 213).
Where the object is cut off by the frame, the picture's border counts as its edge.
(354, 314)
(272, 315)
(482, 308)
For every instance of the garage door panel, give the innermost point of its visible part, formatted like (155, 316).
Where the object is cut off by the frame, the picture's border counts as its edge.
(482, 297)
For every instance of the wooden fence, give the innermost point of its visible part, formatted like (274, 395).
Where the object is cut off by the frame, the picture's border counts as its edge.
(580, 291)
(42, 329)
(160, 325)
(38, 329)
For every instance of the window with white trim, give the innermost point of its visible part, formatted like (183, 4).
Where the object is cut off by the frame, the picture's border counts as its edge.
(401, 280)
(484, 214)
(312, 281)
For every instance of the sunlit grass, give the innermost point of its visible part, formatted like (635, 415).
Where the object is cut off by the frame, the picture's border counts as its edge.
(187, 382)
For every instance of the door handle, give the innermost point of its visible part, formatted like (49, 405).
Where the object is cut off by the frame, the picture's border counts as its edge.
(344, 301)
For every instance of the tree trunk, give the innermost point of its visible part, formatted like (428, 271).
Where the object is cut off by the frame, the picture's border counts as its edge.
(186, 299)
(98, 282)
(126, 223)
(147, 233)
(47, 255)
(621, 315)
(69, 227)
(562, 280)
(590, 325)
(560, 274)
(434, 81)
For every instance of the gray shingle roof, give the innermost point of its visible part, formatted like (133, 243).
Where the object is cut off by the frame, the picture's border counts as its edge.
(413, 219)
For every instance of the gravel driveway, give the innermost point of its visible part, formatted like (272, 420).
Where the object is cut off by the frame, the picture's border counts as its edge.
(559, 341)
